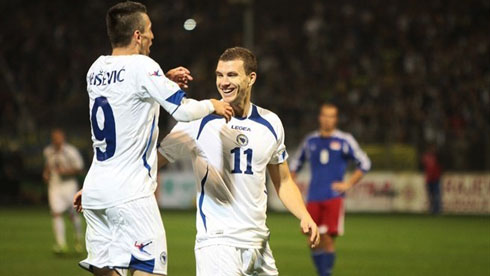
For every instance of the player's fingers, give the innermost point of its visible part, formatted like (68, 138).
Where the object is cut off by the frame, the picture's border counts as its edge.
(227, 116)
(314, 235)
(305, 229)
(183, 69)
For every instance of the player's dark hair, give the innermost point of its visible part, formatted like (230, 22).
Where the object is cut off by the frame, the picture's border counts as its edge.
(122, 20)
(248, 58)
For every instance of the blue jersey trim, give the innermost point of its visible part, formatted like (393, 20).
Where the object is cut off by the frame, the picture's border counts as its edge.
(176, 98)
(255, 116)
(201, 199)
(146, 266)
(145, 163)
(204, 121)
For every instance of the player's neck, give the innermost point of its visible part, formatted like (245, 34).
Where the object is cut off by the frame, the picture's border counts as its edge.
(326, 133)
(241, 109)
(124, 51)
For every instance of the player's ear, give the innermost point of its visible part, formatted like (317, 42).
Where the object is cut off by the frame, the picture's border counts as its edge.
(253, 77)
(137, 35)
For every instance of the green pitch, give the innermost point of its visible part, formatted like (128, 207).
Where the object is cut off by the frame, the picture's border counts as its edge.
(373, 245)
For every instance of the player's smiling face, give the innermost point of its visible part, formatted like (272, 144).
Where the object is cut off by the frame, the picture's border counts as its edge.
(146, 36)
(233, 83)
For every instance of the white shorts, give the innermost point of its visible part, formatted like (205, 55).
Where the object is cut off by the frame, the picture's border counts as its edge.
(127, 236)
(224, 260)
(60, 196)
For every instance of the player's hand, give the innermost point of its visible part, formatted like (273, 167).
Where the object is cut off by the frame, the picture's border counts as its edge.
(46, 176)
(223, 109)
(77, 201)
(309, 228)
(180, 75)
(341, 187)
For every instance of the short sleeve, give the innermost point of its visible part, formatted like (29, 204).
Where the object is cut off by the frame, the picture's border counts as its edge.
(179, 143)
(154, 84)
(353, 151)
(280, 154)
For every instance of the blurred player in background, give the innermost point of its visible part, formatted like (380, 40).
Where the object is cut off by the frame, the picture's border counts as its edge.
(126, 89)
(432, 169)
(328, 151)
(63, 164)
(230, 160)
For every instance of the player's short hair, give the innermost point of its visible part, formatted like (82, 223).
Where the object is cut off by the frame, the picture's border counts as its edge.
(248, 58)
(122, 20)
(327, 105)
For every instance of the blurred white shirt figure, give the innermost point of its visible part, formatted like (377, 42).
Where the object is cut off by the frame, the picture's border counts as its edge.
(63, 163)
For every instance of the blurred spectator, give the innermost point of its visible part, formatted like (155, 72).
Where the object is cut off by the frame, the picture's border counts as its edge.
(432, 169)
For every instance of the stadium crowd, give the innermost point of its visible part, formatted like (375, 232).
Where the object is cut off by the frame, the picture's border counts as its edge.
(410, 72)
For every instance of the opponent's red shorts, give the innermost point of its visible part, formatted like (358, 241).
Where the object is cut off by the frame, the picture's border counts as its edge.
(328, 215)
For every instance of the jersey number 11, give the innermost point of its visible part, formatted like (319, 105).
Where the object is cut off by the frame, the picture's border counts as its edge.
(236, 167)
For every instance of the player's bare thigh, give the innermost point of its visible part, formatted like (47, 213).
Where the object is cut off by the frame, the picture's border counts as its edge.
(105, 272)
(142, 273)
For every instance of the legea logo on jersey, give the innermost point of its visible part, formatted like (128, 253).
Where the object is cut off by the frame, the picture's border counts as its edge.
(242, 140)
(242, 128)
(106, 78)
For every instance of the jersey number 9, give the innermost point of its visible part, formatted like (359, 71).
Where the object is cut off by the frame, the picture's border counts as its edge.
(108, 133)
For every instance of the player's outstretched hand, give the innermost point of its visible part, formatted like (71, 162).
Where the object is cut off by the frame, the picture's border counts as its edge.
(180, 75)
(309, 228)
(341, 187)
(223, 109)
(77, 201)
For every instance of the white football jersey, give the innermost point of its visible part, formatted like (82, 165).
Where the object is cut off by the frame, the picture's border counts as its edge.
(125, 95)
(230, 162)
(68, 157)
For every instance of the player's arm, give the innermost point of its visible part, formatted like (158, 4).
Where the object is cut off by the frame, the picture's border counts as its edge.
(347, 184)
(190, 109)
(69, 172)
(291, 197)
(162, 161)
(363, 165)
(170, 96)
(77, 201)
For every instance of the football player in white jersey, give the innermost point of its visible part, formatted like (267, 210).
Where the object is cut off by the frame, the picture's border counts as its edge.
(63, 163)
(230, 160)
(126, 89)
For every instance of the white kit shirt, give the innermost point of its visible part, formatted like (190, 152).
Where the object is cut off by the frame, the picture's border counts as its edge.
(125, 94)
(68, 157)
(230, 162)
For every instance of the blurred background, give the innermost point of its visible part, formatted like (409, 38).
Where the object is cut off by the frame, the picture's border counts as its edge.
(406, 75)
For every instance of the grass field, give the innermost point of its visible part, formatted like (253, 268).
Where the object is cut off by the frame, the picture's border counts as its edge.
(373, 245)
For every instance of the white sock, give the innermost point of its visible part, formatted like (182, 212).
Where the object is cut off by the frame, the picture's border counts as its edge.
(59, 230)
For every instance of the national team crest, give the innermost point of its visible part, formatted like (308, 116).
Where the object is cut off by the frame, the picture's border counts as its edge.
(335, 145)
(163, 257)
(242, 140)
